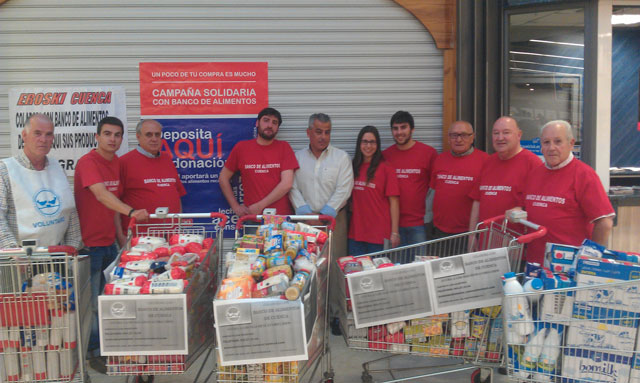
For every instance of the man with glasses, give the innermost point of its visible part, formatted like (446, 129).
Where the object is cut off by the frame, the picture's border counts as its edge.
(504, 173)
(454, 174)
(412, 161)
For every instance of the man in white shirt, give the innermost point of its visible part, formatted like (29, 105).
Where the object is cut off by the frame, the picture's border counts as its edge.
(323, 183)
(36, 201)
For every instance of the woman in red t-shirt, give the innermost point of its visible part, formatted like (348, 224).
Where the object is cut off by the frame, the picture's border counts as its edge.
(375, 204)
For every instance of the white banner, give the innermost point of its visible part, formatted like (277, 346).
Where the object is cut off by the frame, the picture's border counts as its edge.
(75, 112)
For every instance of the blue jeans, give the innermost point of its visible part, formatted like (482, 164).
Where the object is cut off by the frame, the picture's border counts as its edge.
(412, 234)
(360, 247)
(100, 257)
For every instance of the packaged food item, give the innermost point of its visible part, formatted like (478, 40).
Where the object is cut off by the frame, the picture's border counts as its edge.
(273, 286)
(141, 248)
(239, 269)
(382, 262)
(297, 285)
(130, 256)
(264, 230)
(177, 249)
(246, 254)
(277, 259)
(164, 287)
(139, 266)
(290, 226)
(366, 263)
(342, 261)
(208, 243)
(193, 247)
(121, 289)
(284, 269)
(155, 242)
(176, 239)
(275, 220)
(236, 288)
(174, 273)
(258, 267)
(291, 251)
(273, 243)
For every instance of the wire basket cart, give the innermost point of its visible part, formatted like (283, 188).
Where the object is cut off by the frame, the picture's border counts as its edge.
(164, 334)
(467, 338)
(586, 333)
(313, 304)
(45, 314)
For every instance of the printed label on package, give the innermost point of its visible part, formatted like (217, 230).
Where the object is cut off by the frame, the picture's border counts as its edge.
(75, 113)
(260, 331)
(468, 281)
(138, 325)
(390, 294)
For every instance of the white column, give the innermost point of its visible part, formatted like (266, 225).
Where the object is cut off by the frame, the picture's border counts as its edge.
(603, 98)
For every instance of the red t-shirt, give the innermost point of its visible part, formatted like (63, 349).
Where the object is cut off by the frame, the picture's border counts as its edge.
(413, 169)
(501, 183)
(371, 217)
(566, 201)
(149, 183)
(96, 220)
(260, 167)
(453, 178)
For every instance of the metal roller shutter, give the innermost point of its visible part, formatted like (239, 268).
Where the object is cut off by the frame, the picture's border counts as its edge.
(358, 61)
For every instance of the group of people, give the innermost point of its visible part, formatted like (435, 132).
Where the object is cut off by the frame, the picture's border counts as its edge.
(388, 189)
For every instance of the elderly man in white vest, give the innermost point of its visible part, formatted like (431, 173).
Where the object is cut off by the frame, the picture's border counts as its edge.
(36, 201)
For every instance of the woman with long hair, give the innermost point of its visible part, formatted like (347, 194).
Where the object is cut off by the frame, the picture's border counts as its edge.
(375, 205)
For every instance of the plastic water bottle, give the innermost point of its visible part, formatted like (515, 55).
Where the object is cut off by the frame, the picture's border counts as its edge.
(548, 357)
(69, 333)
(39, 364)
(11, 365)
(517, 308)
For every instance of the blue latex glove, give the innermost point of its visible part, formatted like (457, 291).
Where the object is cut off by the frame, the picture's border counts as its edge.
(328, 210)
(304, 210)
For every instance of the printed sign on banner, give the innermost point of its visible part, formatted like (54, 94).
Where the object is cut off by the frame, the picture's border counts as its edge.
(75, 112)
(205, 109)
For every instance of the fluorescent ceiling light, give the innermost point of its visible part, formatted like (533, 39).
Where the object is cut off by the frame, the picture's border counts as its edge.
(625, 19)
(543, 55)
(537, 63)
(556, 42)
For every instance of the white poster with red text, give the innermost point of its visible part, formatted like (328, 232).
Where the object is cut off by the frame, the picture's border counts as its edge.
(75, 112)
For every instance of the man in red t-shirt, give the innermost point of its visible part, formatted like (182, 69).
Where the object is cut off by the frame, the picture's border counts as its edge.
(149, 177)
(565, 195)
(501, 181)
(412, 161)
(97, 193)
(453, 176)
(266, 166)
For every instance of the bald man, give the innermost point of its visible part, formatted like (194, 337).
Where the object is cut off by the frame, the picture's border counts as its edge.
(35, 197)
(503, 175)
(565, 195)
(454, 174)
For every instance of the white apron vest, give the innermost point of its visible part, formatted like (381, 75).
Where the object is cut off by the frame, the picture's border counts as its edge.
(43, 201)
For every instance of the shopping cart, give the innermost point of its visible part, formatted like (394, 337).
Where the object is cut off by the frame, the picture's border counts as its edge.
(469, 339)
(314, 301)
(578, 334)
(45, 314)
(164, 334)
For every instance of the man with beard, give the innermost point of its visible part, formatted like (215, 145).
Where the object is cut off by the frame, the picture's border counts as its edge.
(413, 161)
(266, 166)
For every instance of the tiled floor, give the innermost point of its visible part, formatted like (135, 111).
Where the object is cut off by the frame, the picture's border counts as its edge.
(346, 365)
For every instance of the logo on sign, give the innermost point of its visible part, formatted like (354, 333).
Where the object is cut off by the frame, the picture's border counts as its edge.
(366, 283)
(47, 202)
(233, 314)
(118, 309)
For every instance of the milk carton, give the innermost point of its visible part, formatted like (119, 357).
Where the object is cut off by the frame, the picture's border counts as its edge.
(592, 271)
(579, 365)
(603, 329)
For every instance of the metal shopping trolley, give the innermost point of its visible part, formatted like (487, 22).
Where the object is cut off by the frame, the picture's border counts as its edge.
(45, 314)
(578, 334)
(262, 340)
(164, 334)
(444, 307)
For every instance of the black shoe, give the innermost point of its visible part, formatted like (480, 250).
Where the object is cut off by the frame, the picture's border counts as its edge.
(98, 364)
(335, 326)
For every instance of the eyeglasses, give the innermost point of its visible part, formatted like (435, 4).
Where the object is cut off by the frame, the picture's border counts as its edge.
(368, 142)
(455, 136)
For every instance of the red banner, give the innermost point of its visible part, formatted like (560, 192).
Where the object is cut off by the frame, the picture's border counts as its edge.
(170, 89)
